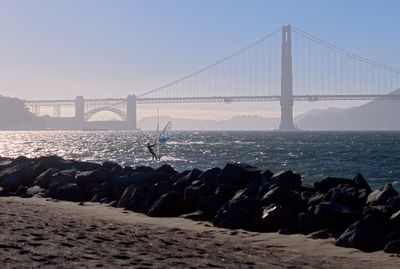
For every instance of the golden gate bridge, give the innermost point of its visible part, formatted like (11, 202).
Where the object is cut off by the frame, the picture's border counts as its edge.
(286, 65)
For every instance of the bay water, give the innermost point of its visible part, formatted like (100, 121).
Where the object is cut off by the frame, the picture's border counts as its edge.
(315, 155)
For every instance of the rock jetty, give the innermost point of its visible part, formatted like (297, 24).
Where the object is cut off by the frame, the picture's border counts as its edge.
(238, 196)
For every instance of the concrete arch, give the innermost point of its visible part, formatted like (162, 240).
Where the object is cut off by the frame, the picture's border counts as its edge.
(114, 110)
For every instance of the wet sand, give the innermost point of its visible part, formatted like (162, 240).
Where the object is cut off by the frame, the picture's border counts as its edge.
(37, 233)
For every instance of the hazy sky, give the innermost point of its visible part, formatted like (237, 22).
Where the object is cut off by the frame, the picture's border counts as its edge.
(60, 49)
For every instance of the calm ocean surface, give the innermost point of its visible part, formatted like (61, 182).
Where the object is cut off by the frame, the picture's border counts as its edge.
(314, 155)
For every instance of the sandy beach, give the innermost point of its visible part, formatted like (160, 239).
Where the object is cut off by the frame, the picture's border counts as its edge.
(38, 233)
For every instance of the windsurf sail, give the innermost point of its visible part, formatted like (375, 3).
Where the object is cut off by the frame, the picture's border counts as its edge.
(164, 135)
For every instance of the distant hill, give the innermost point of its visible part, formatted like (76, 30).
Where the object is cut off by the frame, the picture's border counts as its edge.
(375, 115)
(14, 116)
(251, 122)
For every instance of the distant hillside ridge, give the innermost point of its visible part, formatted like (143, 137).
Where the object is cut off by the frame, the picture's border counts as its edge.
(15, 116)
(376, 115)
(247, 122)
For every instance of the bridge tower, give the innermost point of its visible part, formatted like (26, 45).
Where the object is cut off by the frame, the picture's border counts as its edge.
(131, 111)
(286, 81)
(79, 111)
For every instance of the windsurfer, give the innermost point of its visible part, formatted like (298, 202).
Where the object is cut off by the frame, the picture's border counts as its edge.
(151, 150)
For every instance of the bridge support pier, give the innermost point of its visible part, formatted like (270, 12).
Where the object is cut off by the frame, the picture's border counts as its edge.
(79, 111)
(286, 81)
(131, 101)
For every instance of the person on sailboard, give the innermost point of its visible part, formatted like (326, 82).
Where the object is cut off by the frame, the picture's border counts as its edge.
(151, 150)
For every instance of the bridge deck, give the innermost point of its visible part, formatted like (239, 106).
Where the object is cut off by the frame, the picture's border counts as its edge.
(222, 99)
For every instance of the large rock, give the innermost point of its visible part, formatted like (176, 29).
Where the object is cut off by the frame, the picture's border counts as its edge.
(35, 191)
(91, 176)
(168, 170)
(226, 190)
(5, 163)
(335, 215)
(307, 223)
(348, 196)
(144, 181)
(288, 178)
(379, 197)
(361, 183)
(238, 173)
(210, 204)
(126, 196)
(11, 178)
(60, 178)
(393, 247)
(236, 212)
(275, 217)
(367, 234)
(158, 190)
(332, 182)
(104, 192)
(284, 197)
(185, 179)
(44, 179)
(68, 192)
(393, 204)
(169, 205)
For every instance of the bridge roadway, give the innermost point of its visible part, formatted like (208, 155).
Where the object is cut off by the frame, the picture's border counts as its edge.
(223, 99)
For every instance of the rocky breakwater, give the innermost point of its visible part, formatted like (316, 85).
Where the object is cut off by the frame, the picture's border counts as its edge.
(237, 196)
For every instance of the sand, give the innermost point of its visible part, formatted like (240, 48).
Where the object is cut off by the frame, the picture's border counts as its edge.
(38, 233)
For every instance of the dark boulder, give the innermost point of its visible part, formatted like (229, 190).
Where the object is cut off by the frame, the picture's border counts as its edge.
(395, 221)
(185, 179)
(393, 247)
(226, 190)
(169, 205)
(67, 192)
(238, 173)
(193, 193)
(121, 183)
(316, 199)
(367, 234)
(378, 211)
(381, 196)
(274, 217)
(44, 179)
(143, 169)
(236, 212)
(138, 199)
(158, 190)
(168, 170)
(284, 197)
(335, 215)
(104, 192)
(21, 191)
(85, 166)
(5, 163)
(210, 204)
(11, 178)
(61, 178)
(361, 183)
(288, 178)
(348, 196)
(307, 223)
(126, 196)
(393, 204)
(211, 179)
(35, 191)
(91, 176)
(3, 192)
(332, 182)
(89, 190)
